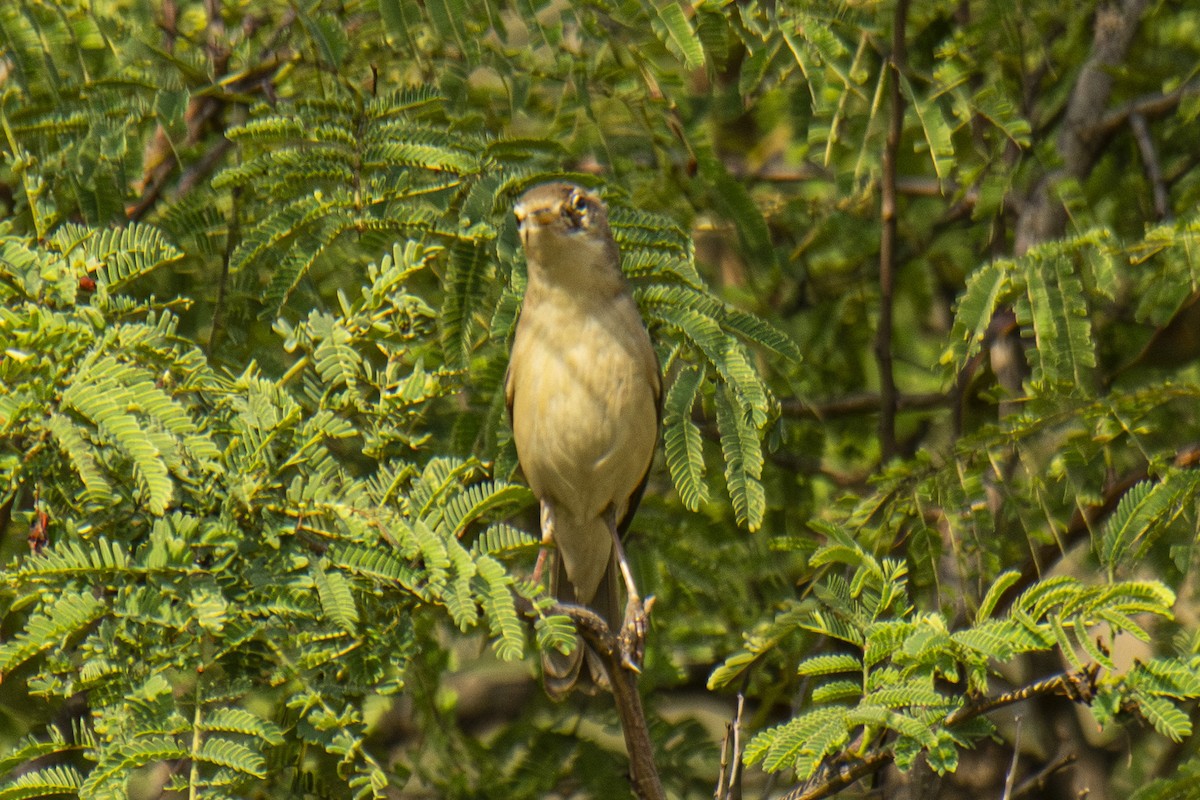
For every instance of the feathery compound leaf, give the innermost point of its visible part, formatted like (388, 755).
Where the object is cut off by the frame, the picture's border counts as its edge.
(723, 352)
(501, 538)
(481, 500)
(380, 564)
(111, 775)
(325, 223)
(337, 600)
(829, 664)
(801, 742)
(59, 621)
(682, 442)
(103, 395)
(82, 455)
(29, 748)
(752, 328)
(239, 720)
(1001, 585)
(335, 358)
(124, 254)
(1166, 718)
(500, 610)
(459, 594)
(469, 277)
(1143, 512)
(47, 782)
(987, 288)
(743, 462)
(1057, 311)
(232, 755)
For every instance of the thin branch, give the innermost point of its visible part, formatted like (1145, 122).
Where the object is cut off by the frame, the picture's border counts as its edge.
(846, 775)
(887, 241)
(1078, 686)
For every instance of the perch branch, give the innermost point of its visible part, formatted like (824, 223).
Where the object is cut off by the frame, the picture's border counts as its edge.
(612, 649)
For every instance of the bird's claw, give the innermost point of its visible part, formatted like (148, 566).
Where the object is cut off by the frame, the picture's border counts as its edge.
(632, 639)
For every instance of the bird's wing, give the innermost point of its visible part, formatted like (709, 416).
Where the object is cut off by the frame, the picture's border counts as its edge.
(636, 498)
(508, 386)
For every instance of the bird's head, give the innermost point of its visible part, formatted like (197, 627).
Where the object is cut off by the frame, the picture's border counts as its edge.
(564, 229)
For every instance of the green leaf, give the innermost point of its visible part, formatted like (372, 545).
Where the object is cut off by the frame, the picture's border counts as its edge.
(987, 288)
(1143, 512)
(829, 664)
(1056, 310)
(937, 132)
(679, 36)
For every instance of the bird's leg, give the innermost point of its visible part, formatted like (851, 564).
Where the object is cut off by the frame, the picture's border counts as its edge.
(547, 538)
(632, 637)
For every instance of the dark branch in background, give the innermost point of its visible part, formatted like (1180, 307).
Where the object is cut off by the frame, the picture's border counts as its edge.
(887, 241)
(1145, 143)
(1036, 784)
(866, 403)
(1083, 520)
(1078, 686)
(217, 330)
(1086, 125)
(1148, 106)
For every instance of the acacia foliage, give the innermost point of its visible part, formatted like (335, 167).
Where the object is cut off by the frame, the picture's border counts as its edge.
(257, 280)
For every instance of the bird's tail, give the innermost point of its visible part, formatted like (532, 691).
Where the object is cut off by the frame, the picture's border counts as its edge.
(582, 668)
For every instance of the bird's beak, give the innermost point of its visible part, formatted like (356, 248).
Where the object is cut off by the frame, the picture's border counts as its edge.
(538, 216)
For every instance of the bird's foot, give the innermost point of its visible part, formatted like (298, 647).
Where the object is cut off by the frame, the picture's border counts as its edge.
(632, 639)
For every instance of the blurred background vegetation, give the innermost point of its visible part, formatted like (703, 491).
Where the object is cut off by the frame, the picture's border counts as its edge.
(923, 279)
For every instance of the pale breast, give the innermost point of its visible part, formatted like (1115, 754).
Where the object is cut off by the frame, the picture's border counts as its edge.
(584, 414)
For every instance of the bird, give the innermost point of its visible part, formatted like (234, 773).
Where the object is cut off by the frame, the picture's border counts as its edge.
(584, 396)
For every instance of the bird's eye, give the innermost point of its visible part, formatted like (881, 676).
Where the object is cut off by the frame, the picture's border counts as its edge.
(578, 202)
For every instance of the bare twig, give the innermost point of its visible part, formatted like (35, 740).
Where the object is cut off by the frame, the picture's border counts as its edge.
(887, 241)
(729, 783)
(735, 779)
(720, 791)
(1011, 777)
